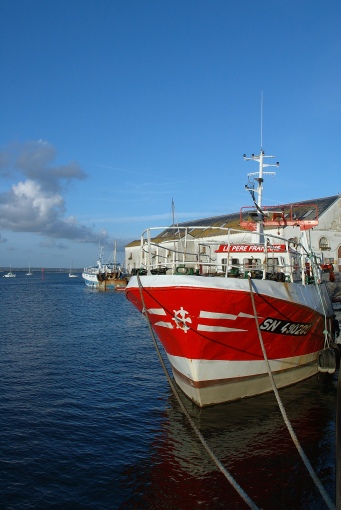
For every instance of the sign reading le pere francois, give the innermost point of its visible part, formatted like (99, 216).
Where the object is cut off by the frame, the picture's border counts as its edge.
(250, 248)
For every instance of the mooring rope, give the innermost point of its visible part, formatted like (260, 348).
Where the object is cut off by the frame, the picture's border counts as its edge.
(215, 459)
(312, 473)
(327, 335)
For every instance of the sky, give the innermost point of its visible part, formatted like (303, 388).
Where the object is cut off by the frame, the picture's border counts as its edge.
(111, 109)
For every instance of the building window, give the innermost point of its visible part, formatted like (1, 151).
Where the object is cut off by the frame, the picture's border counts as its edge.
(324, 244)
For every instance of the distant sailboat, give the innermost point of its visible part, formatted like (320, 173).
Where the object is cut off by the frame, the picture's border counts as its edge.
(71, 274)
(29, 270)
(9, 274)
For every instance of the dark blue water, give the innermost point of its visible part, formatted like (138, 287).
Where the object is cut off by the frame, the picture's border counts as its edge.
(87, 420)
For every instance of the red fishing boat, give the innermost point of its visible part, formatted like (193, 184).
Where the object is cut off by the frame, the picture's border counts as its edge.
(231, 305)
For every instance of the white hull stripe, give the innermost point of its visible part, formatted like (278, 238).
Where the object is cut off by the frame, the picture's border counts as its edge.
(164, 324)
(216, 315)
(218, 329)
(156, 311)
(247, 316)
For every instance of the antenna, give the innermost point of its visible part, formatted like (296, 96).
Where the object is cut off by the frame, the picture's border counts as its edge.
(261, 122)
(259, 176)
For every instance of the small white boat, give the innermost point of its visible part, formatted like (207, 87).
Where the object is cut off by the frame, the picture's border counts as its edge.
(29, 271)
(9, 274)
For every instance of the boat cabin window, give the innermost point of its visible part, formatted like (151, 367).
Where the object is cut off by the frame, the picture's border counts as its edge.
(272, 265)
(252, 263)
(233, 262)
(223, 265)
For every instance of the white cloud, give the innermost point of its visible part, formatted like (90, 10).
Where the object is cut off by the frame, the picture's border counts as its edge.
(36, 203)
(42, 206)
(35, 161)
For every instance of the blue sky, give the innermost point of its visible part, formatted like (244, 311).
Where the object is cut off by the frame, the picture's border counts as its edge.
(111, 109)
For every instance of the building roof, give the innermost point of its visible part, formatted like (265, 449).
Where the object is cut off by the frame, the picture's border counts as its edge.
(307, 210)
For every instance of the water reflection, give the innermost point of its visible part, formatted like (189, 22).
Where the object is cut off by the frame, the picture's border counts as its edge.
(251, 440)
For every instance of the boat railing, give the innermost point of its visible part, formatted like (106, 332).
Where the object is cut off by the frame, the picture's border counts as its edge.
(175, 251)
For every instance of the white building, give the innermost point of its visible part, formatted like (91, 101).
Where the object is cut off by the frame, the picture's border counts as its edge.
(325, 237)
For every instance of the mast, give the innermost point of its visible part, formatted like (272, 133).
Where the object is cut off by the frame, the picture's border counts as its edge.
(250, 186)
(258, 176)
(100, 255)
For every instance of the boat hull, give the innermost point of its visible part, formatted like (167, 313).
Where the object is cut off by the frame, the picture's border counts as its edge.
(205, 393)
(212, 336)
(107, 283)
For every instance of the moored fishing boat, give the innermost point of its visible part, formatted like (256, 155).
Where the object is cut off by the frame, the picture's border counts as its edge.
(106, 276)
(215, 304)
